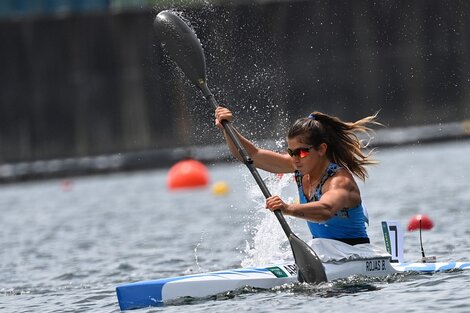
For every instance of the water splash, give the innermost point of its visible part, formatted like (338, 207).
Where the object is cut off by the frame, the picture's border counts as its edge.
(242, 72)
(268, 242)
(196, 259)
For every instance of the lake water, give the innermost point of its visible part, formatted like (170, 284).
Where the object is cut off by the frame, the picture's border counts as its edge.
(66, 244)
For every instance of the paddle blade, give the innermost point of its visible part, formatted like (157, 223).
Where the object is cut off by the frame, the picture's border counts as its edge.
(182, 45)
(310, 268)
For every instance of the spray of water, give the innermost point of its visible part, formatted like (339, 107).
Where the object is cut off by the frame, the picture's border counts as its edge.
(242, 71)
(256, 91)
(268, 243)
(199, 269)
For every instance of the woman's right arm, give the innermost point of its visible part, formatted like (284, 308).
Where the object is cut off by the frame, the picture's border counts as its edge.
(264, 159)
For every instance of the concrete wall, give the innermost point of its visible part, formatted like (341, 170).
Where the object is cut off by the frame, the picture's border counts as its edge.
(100, 83)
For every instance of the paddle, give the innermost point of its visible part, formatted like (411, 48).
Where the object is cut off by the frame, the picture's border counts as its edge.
(186, 50)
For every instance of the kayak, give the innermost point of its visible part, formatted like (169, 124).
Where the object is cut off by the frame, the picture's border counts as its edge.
(339, 260)
(158, 292)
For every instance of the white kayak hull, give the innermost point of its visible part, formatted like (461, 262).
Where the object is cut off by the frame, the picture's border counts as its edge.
(157, 292)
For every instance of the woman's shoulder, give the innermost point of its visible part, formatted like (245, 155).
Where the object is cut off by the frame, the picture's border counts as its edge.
(343, 178)
(343, 172)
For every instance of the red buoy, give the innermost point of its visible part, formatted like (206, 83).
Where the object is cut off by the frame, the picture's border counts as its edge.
(67, 185)
(424, 220)
(187, 174)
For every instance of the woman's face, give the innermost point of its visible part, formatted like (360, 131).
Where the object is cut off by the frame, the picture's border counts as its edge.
(305, 157)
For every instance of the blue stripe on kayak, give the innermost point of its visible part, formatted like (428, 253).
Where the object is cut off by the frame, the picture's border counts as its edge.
(431, 267)
(464, 266)
(447, 267)
(149, 293)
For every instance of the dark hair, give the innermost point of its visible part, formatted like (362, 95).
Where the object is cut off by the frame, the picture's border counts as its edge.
(344, 147)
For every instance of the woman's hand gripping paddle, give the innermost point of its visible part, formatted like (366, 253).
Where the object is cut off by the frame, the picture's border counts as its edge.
(186, 50)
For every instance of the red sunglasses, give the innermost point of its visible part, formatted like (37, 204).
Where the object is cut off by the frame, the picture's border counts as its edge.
(300, 152)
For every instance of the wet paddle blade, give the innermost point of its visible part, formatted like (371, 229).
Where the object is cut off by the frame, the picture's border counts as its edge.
(182, 45)
(310, 268)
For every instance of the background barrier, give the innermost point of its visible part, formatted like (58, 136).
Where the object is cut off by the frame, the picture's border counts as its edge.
(79, 85)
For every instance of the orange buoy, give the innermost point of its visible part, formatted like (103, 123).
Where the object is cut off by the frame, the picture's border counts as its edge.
(187, 174)
(420, 221)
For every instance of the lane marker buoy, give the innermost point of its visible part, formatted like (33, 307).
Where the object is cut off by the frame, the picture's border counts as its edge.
(420, 221)
(187, 174)
(220, 188)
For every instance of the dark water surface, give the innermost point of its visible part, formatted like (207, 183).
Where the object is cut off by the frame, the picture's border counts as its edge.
(65, 245)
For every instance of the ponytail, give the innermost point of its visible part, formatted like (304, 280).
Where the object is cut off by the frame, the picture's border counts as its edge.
(344, 146)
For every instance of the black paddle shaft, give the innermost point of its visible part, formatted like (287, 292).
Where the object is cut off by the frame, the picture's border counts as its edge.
(309, 265)
(186, 50)
(310, 268)
(246, 158)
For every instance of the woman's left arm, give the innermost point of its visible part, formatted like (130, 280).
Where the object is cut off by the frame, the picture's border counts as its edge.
(340, 192)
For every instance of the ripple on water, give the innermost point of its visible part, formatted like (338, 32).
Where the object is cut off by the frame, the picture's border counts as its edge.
(63, 255)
